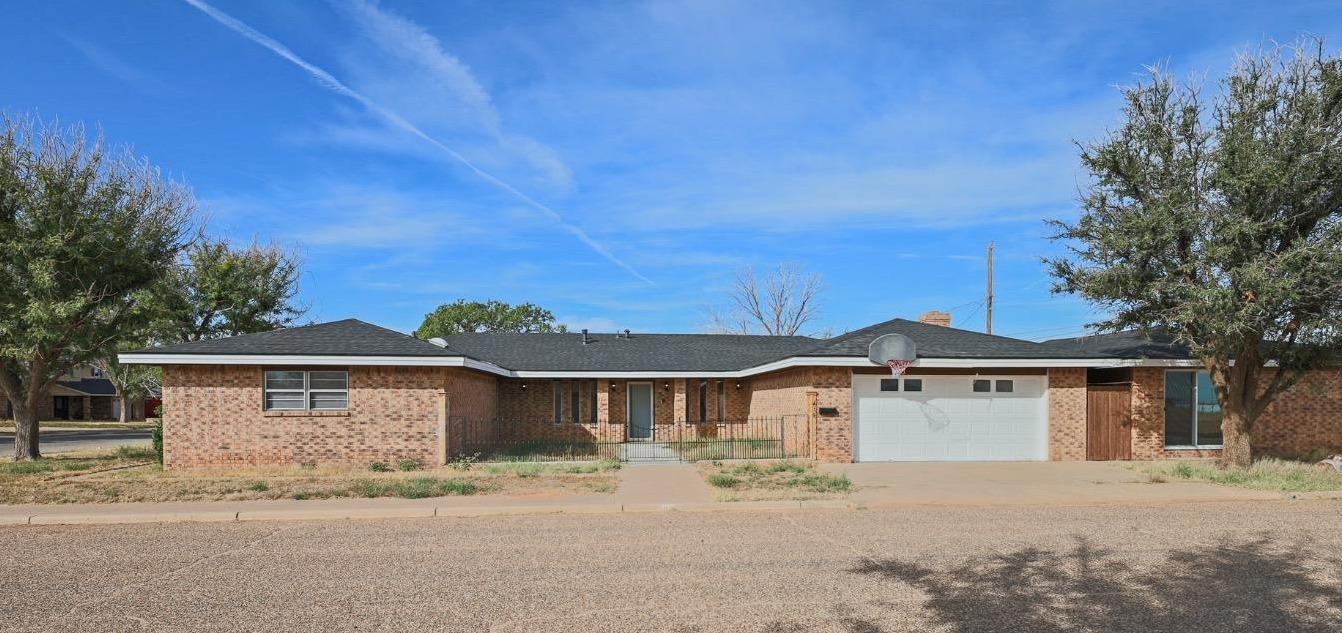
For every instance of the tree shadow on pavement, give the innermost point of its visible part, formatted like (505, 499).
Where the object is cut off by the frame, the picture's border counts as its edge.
(1252, 585)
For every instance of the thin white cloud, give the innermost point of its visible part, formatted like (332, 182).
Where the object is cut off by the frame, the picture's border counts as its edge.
(329, 81)
(408, 70)
(112, 65)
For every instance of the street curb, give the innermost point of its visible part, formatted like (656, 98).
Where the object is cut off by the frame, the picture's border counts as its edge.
(461, 512)
(414, 512)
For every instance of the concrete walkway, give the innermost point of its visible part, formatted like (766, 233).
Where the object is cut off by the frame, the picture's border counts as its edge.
(662, 484)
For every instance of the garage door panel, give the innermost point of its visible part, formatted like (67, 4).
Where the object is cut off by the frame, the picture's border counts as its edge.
(947, 420)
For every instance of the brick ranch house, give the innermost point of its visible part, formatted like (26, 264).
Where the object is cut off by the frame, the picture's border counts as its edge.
(82, 394)
(354, 393)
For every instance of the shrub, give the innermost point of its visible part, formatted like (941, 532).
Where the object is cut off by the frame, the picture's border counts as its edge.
(463, 462)
(723, 480)
(407, 465)
(258, 486)
(523, 470)
(787, 467)
(156, 435)
(379, 467)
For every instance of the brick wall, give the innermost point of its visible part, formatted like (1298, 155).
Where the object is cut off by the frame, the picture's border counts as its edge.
(1066, 414)
(784, 394)
(1306, 418)
(213, 417)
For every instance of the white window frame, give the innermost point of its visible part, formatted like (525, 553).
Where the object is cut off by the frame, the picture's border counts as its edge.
(1163, 423)
(306, 391)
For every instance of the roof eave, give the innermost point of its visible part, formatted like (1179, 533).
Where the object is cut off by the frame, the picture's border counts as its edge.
(140, 358)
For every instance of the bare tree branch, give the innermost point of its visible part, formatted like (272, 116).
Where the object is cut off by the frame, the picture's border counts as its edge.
(782, 305)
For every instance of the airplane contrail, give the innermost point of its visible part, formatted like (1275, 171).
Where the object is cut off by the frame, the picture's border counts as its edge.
(330, 82)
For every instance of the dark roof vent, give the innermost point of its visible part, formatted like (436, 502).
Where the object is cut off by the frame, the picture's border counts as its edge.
(584, 336)
(626, 332)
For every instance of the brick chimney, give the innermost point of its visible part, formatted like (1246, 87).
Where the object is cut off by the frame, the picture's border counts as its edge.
(936, 317)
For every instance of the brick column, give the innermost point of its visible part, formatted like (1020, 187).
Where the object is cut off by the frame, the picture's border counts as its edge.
(444, 426)
(88, 408)
(1067, 414)
(1148, 412)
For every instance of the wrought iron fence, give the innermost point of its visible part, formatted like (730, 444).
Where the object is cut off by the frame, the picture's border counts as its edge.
(514, 440)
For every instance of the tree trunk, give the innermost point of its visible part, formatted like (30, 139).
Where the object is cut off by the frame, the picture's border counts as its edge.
(25, 433)
(124, 414)
(1236, 451)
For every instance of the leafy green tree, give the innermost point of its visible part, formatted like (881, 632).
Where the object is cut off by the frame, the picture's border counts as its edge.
(225, 291)
(85, 239)
(490, 316)
(1221, 223)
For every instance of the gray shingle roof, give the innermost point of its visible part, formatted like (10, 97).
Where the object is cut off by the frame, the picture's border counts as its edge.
(90, 386)
(639, 352)
(350, 337)
(935, 341)
(608, 352)
(1126, 344)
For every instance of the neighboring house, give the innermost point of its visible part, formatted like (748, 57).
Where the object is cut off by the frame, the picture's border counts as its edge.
(82, 394)
(351, 392)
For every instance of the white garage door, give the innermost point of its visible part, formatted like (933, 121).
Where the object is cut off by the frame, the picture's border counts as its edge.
(945, 418)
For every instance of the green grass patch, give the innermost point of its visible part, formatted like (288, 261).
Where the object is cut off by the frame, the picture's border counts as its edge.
(599, 466)
(138, 453)
(28, 468)
(1265, 474)
(524, 470)
(777, 480)
(415, 487)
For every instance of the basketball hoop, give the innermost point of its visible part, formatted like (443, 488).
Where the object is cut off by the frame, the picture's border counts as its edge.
(897, 367)
(895, 351)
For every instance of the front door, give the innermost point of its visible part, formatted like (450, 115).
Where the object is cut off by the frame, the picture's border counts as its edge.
(640, 410)
(60, 407)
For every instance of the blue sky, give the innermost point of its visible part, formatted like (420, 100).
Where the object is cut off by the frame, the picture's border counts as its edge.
(618, 163)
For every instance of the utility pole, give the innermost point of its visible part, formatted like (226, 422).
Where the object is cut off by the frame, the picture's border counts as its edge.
(988, 297)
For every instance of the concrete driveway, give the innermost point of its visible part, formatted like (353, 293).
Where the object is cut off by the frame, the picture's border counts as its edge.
(1012, 483)
(1192, 568)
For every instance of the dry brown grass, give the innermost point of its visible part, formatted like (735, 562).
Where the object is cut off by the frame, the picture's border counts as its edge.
(109, 478)
(772, 481)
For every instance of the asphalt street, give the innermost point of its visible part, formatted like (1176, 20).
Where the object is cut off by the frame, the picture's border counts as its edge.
(1241, 566)
(60, 441)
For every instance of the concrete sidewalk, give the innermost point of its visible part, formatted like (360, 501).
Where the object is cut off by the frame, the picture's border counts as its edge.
(678, 487)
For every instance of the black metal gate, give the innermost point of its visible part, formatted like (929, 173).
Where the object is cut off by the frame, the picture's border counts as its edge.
(753, 438)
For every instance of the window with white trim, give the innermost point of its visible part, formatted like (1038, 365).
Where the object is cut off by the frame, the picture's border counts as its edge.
(722, 400)
(575, 401)
(591, 391)
(1192, 411)
(306, 390)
